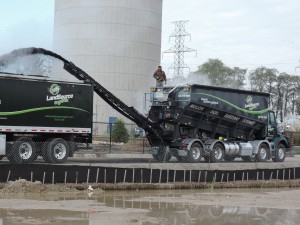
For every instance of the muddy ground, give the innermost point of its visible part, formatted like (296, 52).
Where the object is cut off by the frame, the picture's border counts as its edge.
(24, 202)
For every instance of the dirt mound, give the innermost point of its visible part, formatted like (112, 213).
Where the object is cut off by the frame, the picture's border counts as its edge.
(23, 186)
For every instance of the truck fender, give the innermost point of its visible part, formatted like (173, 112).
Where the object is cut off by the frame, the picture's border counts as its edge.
(257, 143)
(285, 142)
(190, 141)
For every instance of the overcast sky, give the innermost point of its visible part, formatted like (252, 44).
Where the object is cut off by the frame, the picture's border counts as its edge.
(242, 33)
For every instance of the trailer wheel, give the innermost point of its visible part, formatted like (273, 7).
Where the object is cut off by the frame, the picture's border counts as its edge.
(195, 153)
(22, 151)
(163, 155)
(280, 153)
(57, 151)
(217, 154)
(262, 153)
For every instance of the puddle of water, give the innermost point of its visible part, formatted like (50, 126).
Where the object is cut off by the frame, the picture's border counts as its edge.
(185, 207)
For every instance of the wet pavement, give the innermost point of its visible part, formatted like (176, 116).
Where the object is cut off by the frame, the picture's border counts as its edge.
(180, 207)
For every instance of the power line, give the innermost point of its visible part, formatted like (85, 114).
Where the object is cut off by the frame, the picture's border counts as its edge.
(179, 48)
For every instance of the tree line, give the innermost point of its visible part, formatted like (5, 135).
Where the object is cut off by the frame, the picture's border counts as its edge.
(284, 88)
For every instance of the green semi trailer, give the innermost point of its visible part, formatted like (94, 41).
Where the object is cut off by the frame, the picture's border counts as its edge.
(43, 117)
(216, 124)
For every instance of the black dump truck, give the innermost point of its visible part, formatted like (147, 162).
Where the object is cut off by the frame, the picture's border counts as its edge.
(188, 122)
(43, 117)
(216, 124)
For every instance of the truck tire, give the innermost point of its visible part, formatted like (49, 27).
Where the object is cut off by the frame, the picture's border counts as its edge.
(44, 150)
(163, 155)
(195, 153)
(262, 153)
(23, 150)
(57, 151)
(73, 147)
(217, 153)
(280, 153)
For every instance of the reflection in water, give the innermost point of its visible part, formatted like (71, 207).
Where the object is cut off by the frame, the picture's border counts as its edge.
(42, 217)
(143, 208)
(186, 214)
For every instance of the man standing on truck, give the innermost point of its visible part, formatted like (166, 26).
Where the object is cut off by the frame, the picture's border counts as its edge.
(160, 77)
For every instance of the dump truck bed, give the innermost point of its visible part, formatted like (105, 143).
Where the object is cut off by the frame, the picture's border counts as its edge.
(242, 103)
(219, 111)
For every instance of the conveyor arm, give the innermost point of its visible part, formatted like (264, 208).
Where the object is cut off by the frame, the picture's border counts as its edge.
(129, 112)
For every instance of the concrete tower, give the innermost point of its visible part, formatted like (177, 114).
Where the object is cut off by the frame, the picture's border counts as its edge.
(117, 42)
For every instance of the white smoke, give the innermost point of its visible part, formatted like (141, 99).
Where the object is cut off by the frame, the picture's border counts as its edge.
(23, 62)
(192, 78)
(27, 65)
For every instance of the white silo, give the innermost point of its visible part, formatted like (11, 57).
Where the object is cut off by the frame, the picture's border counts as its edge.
(117, 42)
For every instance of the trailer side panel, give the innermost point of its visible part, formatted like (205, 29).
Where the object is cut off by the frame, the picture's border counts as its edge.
(237, 102)
(41, 103)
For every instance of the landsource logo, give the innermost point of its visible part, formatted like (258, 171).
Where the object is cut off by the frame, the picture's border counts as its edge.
(54, 89)
(249, 104)
(57, 98)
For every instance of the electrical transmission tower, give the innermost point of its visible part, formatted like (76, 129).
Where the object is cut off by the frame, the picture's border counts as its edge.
(179, 49)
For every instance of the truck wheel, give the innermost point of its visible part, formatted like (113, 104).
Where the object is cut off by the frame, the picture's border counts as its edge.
(262, 153)
(217, 154)
(280, 153)
(57, 150)
(163, 155)
(195, 153)
(22, 151)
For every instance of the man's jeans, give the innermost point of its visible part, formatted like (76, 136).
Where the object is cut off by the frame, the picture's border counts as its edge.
(160, 84)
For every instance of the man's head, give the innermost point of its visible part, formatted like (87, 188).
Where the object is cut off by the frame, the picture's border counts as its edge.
(159, 67)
